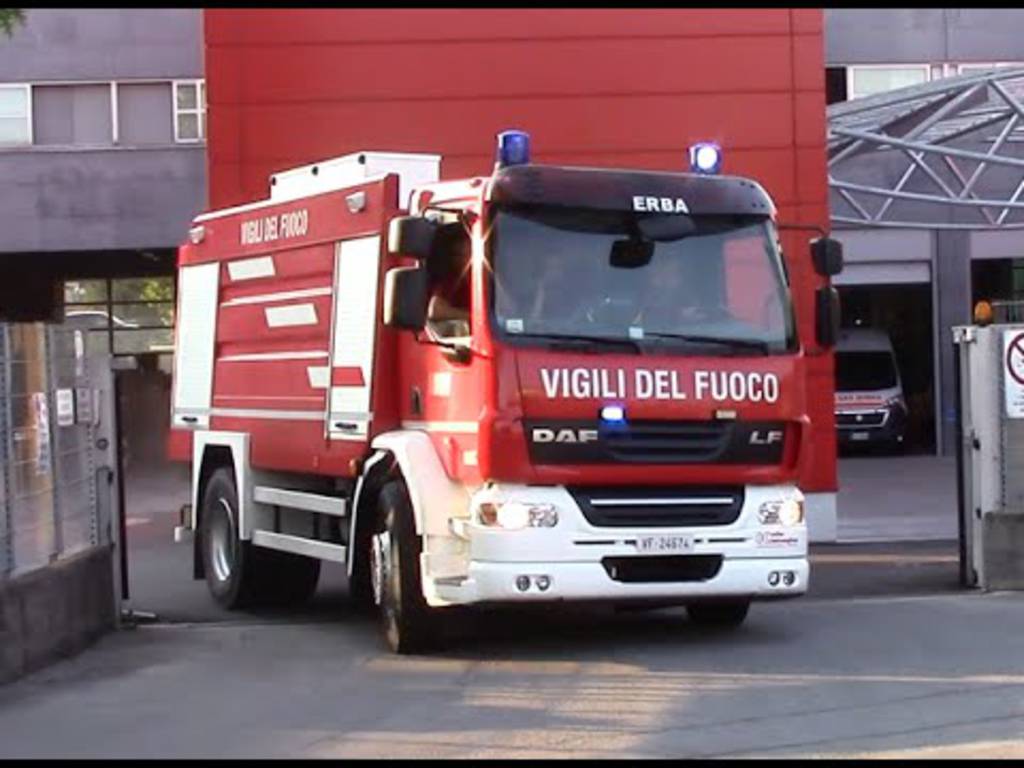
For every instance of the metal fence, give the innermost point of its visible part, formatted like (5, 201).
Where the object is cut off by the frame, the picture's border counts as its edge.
(55, 444)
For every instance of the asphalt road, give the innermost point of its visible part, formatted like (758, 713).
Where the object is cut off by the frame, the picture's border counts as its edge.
(886, 657)
(938, 675)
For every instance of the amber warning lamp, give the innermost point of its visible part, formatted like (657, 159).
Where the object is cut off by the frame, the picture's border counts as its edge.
(983, 313)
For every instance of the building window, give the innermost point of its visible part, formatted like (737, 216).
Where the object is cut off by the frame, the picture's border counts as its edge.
(145, 114)
(974, 67)
(189, 110)
(72, 115)
(867, 80)
(15, 115)
(129, 316)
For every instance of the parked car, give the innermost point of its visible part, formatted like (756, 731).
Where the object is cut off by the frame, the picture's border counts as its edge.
(870, 407)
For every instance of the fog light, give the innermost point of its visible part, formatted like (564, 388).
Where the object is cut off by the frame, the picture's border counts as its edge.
(773, 579)
(789, 578)
(543, 582)
(522, 583)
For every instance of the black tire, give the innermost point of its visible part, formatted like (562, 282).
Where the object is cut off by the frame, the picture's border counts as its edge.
(408, 623)
(247, 576)
(726, 614)
(229, 563)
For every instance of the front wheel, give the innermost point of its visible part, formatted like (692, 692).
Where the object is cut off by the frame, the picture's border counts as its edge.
(408, 623)
(720, 615)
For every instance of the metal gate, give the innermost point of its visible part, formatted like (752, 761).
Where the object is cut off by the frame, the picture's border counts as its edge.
(58, 491)
(991, 454)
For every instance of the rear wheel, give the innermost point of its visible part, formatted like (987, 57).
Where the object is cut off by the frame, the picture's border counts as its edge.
(408, 623)
(238, 574)
(227, 561)
(721, 615)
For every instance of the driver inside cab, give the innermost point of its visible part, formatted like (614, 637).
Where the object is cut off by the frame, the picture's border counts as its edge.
(449, 284)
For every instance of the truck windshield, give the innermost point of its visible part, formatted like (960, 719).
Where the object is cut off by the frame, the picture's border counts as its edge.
(716, 282)
(864, 371)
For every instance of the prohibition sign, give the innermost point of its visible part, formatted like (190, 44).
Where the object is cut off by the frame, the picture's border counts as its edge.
(1016, 371)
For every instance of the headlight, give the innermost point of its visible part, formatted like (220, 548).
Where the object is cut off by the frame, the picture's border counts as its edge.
(787, 512)
(515, 515)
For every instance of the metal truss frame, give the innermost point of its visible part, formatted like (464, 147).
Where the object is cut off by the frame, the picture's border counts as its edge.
(937, 129)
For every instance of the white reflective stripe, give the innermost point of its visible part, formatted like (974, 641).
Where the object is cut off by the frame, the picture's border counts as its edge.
(197, 329)
(291, 314)
(264, 298)
(319, 376)
(351, 415)
(253, 413)
(256, 356)
(465, 427)
(469, 458)
(442, 383)
(660, 502)
(354, 328)
(250, 269)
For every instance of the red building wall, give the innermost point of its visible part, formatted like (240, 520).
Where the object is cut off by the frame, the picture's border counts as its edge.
(626, 88)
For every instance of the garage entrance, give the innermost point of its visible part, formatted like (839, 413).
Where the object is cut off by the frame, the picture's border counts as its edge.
(897, 300)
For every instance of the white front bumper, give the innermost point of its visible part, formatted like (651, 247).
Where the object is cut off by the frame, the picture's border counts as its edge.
(590, 581)
(571, 556)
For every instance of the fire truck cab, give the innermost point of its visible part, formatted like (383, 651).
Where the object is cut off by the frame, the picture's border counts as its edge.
(546, 384)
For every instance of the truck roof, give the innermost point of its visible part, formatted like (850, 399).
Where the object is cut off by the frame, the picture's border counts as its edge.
(614, 189)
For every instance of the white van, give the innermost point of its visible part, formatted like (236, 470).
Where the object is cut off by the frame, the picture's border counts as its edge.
(869, 405)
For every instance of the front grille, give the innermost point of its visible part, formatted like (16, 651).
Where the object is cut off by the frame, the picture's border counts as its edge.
(656, 507)
(662, 568)
(665, 442)
(864, 419)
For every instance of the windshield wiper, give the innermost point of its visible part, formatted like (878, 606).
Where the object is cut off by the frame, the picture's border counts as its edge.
(581, 342)
(759, 344)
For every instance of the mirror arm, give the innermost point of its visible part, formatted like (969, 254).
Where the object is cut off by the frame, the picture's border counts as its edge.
(458, 352)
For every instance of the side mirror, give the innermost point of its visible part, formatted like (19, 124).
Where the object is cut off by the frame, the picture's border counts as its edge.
(411, 236)
(826, 316)
(405, 298)
(827, 255)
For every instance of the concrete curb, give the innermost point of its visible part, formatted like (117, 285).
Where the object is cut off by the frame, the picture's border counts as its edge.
(55, 611)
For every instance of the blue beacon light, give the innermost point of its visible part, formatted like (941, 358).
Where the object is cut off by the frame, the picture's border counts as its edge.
(614, 414)
(513, 148)
(705, 157)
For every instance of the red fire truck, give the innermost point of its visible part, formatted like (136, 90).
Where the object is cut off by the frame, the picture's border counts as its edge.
(546, 384)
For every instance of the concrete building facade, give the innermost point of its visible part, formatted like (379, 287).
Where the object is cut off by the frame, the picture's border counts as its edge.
(103, 157)
(102, 143)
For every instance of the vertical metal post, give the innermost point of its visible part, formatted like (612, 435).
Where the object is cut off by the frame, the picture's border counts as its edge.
(6, 456)
(963, 504)
(57, 468)
(123, 527)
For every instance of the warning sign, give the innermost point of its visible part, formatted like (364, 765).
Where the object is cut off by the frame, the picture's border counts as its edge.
(1013, 377)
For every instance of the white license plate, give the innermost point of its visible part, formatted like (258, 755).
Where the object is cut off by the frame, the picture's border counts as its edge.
(859, 436)
(659, 544)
